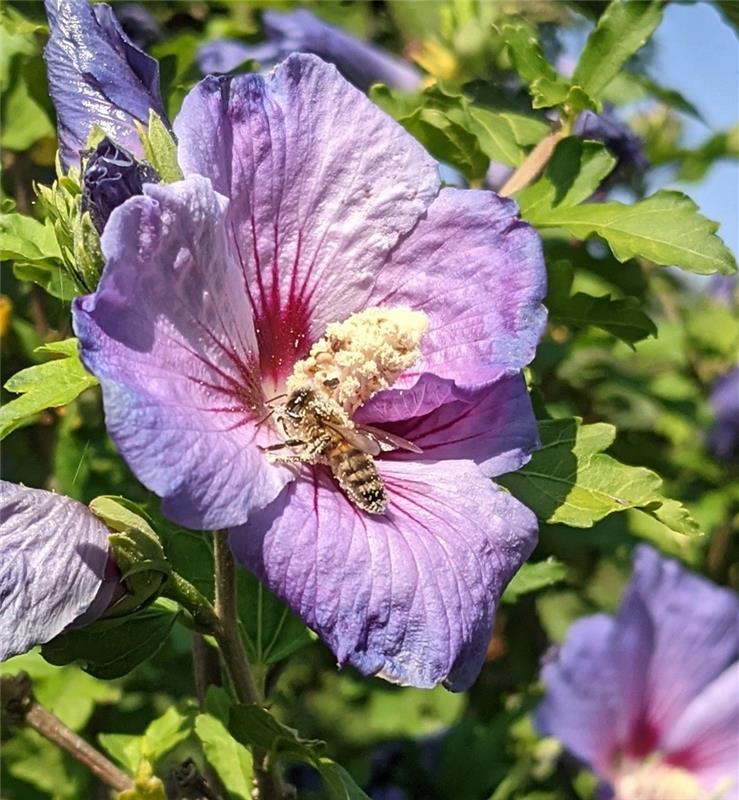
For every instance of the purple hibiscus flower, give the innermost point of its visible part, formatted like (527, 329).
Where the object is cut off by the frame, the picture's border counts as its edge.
(300, 31)
(723, 438)
(310, 246)
(54, 567)
(650, 700)
(97, 75)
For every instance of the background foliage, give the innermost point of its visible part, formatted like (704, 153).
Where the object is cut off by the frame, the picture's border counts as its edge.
(621, 385)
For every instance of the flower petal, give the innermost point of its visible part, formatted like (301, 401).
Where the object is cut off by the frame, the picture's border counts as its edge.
(53, 554)
(478, 272)
(493, 426)
(593, 687)
(97, 76)
(409, 595)
(322, 184)
(697, 634)
(705, 739)
(169, 334)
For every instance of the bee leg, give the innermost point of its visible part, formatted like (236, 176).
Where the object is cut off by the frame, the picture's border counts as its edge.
(281, 445)
(294, 459)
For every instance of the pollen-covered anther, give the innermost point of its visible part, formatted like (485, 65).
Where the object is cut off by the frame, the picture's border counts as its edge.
(362, 355)
(655, 780)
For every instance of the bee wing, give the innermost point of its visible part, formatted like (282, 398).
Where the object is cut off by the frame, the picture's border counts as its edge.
(364, 442)
(389, 440)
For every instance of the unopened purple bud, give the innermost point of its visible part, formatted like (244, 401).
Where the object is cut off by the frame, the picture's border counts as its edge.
(111, 176)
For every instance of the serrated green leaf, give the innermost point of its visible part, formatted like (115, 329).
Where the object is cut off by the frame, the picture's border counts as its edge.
(622, 29)
(110, 648)
(527, 56)
(51, 278)
(666, 228)
(575, 170)
(256, 727)
(448, 140)
(503, 136)
(571, 481)
(338, 783)
(125, 748)
(164, 733)
(532, 577)
(24, 238)
(674, 516)
(230, 759)
(622, 318)
(49, 385)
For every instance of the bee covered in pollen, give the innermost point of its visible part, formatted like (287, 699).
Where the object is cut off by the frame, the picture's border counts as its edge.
(356, 359)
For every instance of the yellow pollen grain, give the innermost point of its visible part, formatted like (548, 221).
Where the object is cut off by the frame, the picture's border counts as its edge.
(655, 780)
(361, 356)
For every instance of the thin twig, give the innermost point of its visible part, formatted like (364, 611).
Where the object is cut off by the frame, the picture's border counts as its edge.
(20, 704)
(535, 162)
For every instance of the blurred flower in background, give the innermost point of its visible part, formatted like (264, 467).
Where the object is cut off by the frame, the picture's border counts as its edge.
(723, 438)
(300, 31)
(649, 700)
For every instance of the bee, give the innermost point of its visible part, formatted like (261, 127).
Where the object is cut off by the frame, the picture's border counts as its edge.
(321, 433)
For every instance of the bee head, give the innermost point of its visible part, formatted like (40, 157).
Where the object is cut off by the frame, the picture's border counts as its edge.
(297, 401)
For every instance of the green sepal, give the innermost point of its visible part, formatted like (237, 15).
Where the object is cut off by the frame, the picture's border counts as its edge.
(160, 148)
(136, 550)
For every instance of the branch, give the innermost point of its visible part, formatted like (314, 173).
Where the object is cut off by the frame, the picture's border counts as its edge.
(21, 706)
(535, 162)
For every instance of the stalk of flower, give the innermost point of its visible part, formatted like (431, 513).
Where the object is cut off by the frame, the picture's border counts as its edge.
(649, 700)
(216, 289)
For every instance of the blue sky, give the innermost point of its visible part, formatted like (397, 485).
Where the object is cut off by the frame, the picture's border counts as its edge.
(697, 53)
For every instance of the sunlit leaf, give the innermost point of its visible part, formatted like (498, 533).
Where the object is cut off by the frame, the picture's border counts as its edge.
(622, 29)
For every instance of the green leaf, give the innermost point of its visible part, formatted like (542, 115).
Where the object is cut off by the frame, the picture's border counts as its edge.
(338, 782)
(230, 759)
(448, 139)
(572, 175)
(623, 28)
(570, 480)
(125, 748)
(50, 278)
(49, 385)
(532, 577)
(666, 228)
(503, 136)
(110, 648)
(272, 631)
(527, 56)
(621, 318)
(674, 516)
(256, 727)
(24, 238)
(164, 733)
